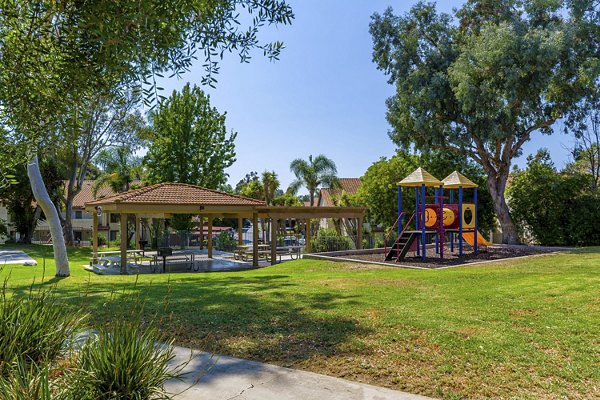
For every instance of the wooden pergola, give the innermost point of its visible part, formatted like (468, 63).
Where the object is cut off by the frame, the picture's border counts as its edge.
(166, 199)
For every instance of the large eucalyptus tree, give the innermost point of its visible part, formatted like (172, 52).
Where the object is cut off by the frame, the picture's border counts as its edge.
(481, 82)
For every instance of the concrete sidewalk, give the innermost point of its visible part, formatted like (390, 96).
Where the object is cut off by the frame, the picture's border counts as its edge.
(227, 378)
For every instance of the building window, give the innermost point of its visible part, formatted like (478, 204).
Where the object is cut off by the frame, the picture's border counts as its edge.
(78, 214)
(113, 235)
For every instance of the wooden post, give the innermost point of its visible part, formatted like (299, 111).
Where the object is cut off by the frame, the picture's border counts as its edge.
(359, 234)
(201, 218)
(95, 237)
(240, 231)
(274, 223)
(123, 223)
(307, 236)
(210, 242)
(138, 232)
(255, 239)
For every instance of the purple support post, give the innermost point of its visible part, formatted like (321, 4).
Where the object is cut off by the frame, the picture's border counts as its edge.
(436, 201)
(442, 232)
(451, 233)
(399, 210)
(460, 219)
(417, 217)
(423, 234)
(476, 222)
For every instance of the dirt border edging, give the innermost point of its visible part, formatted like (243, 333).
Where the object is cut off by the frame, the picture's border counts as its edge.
(336, 256)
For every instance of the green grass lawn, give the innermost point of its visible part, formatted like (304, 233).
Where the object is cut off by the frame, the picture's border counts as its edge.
(526, 328)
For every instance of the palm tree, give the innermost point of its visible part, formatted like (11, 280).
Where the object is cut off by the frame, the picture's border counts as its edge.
(120, 166)
(270, 184)
(317, 172)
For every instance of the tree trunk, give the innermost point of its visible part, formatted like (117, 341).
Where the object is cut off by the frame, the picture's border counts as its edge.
(43, 199)
(27, 238)
(496, 186)
(71, 192)
(68, 229)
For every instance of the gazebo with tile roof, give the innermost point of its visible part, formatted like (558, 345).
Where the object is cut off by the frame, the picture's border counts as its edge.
(167, 199)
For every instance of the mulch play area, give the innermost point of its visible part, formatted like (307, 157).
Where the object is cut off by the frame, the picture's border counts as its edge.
(496, 252)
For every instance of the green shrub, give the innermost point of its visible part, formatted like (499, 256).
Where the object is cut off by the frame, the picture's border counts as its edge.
(33, 329)
(330, 240)
(555, 208)
(122, 362)
(224, 242)
(102, 240)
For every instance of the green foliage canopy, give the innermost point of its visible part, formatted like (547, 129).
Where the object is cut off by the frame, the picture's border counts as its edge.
(51, 52)
(189, 142)
(312, 174)
(19, 200)
(120, 168)
(554, 208)
(288, 200)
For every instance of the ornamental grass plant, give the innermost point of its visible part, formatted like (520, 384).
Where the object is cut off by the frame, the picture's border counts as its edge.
(42, 358)
(123, 361)
(33, 329)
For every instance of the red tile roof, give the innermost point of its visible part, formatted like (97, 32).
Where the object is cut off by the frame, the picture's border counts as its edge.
(178, 193)
(85, 195)
(348, 185)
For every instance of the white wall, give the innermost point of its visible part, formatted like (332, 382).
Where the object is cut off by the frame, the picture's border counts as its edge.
(4, 218)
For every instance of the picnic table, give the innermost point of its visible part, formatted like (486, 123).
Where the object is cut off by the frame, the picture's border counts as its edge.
(135, 255)
(111, 264)
(292, 251)
(188, 258)
(246, 252)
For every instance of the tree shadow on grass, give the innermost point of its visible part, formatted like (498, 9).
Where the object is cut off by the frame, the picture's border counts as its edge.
(265, 318)
(54, 280)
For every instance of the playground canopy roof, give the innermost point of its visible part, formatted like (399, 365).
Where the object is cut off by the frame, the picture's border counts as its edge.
(456, 180)
(420, 177)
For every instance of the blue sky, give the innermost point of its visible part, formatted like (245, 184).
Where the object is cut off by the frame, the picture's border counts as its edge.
(324, 95)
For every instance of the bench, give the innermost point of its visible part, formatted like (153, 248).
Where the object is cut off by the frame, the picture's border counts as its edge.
(292, 251)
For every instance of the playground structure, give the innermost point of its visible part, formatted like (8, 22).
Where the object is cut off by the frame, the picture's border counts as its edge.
(440, 219)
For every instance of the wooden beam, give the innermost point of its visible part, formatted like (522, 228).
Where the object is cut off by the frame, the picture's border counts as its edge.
(138, 232)
(95, 237)
(359, 234)
(274, 241)
(304, 215)
(123, 224)
(174, 208)
(246, 211)
(210, 241)
(240, 231)
(307, 236)
(255, 240)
